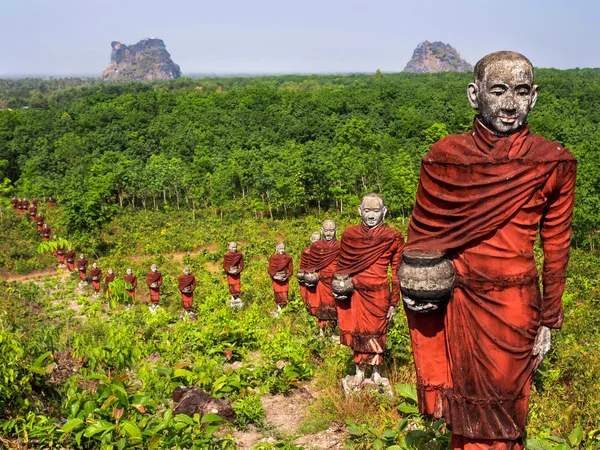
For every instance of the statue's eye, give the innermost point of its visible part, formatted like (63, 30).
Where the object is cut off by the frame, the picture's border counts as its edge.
(497, 93)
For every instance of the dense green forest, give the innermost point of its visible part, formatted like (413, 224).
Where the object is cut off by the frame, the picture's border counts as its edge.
(267, 146)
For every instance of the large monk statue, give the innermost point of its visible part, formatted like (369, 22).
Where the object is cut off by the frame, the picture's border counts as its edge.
(109, 278)
(154, 281)
(46, 232)
(130, 278)
(233, 264)
(14, 203)
(322, 260)
(70, 257)
(310, 291)
(280, 269)
(482, 197)
(96, 277)
(366, 252)
(39, 220)
(82, 265)
(187, 285)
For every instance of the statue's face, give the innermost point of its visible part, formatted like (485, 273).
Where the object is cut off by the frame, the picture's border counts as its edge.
(280, 249)
(329, 230)
(186, 271)
(153, 268)
(372, 211)
(110, 271)
(129, 272)
(505, 96)
(81, 256)
(233, 247)
(316, 236)
(95, 265)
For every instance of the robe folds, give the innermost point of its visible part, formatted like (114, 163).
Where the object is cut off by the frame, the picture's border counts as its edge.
(187, 281)
(323, 259)
(303, 262)
(32, 213)
(46, 233)
(82, 265)
(234, 282)
(132, 280)
(154, 277)
(481, 200)
(39, 220)
(366, 254)
(107, 280)
(96, 276)
(70, 257)
(281, 263)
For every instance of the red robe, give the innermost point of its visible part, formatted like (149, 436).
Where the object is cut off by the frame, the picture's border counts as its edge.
(35, 202)
(96, 276)
(46, 231)
(303, 262)
(60, 254)
(481, 200)
(70, 257)
(82, 268)
(40, 223)
(187, 281)
(50, 203)
(23, 206)
(281, 263)
(14, 203)
(323, 260)
(32, 213)
(131, 279)
(366, 254)
(234, 281)
(154, 277)
(107, 280)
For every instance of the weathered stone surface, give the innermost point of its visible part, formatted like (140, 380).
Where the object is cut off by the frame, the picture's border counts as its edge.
(193, 400)
(436, 57)
(426, 276)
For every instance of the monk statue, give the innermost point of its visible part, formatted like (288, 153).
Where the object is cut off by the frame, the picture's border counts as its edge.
(24, 205)
(32, 212)
(366, 252)
(70, 258)
(130, 278)
(50, 203)
(308, 293)
(280, 269)
(60, 255)
(110, 277)
(154, 281)
(482, 197)
(39, 220)
(233, 264)
(35, 202)
(95, 276)
(322, 262)
(187, 286)
(14, 203)
(46, 232)
(82, 265)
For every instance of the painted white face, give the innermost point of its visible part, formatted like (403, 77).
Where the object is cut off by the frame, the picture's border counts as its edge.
(280, 249)
(110, 271)
(233, 247)
(153, 268)
(95, 265)
(329, 230)
(372, 211)
(316, 236)
(129, 272)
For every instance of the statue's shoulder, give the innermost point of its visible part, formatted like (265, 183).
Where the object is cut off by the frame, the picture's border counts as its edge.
(543, 150)
(444, 149)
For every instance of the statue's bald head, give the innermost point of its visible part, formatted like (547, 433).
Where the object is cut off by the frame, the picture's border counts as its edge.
(232, 247)
(328, 230)
(186, 270)
(372, 210)
(503, 92)
(316, 236)
(280, 248)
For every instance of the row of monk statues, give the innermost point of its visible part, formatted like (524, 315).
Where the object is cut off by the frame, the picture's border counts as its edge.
(480, 321)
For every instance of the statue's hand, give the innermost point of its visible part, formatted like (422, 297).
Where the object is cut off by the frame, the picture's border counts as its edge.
(418, 307)
(541, 346)
(390, 313)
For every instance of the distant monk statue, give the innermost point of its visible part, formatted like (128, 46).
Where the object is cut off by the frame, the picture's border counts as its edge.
(46, 232)
(70, 257)
(322, 261)
(35, 202)
(233, 264)
(50, 203)
(60, 255)
(96, 276)
(366, 252)
(39, 220)
(82, 265)
(24, 206)
(482, 197)
(154, 281)
(14, 203)
(110, 277)
(280, 269)
(187, 286)
(130, 278)
(32, 212)
(308, 292)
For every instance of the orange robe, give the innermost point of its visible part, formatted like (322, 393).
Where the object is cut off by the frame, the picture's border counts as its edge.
(14, 203)
(234, 281)
(96, 276)
(366, 254)
(32, 213)
(131, 279)
(481, 200)
(187, 281)
(40, 223)
(107, 280)
(60, 255)
(70, 257)
(154, 277)
(281, 263)
(46, 233)
(82, 268)
(323, 260)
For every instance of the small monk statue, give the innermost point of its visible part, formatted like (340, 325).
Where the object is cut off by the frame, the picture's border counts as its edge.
(187, 286)
(46, 232)
(323, 261)
(366, 252)
(70, 258)
(110, 276)
(130, 278)
(96, 277)
(50, 203)
(60, 255)
(32, 212)
(280, 269)
(35, 202)
(14, 203)
(482, 198)
(307, 292)
(39, 220)
(233, 264)
(82, 265)
(154, 281)
(24, 205)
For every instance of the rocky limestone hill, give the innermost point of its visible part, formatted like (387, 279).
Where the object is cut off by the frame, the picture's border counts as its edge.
(436, 57)
(146, 60)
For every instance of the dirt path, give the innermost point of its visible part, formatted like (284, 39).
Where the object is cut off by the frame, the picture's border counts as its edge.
(35, 275)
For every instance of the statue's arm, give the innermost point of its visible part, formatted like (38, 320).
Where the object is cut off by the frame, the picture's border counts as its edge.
(398, 246)
(555, 232)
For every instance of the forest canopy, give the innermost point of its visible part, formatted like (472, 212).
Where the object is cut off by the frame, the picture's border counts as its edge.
(277, 146)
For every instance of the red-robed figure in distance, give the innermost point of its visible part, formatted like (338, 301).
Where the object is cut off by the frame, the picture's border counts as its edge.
(70, 258)
(46, 231)
(154, 281)
(366, 253)
(32, 212)
(96, 277)
(109, 278)
(482, 197)
(14, 203)
(308, 292)
(82, 265)
(130, 278)
(39, 220)
(233, 264)
(187, 285)
(280, 269)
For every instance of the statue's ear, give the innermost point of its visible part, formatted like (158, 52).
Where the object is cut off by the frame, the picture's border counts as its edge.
(360, 210)
(385, 210)
(534, 95)
(472, 91)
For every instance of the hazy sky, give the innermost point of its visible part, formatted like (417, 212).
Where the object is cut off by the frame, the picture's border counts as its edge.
(72, 37)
